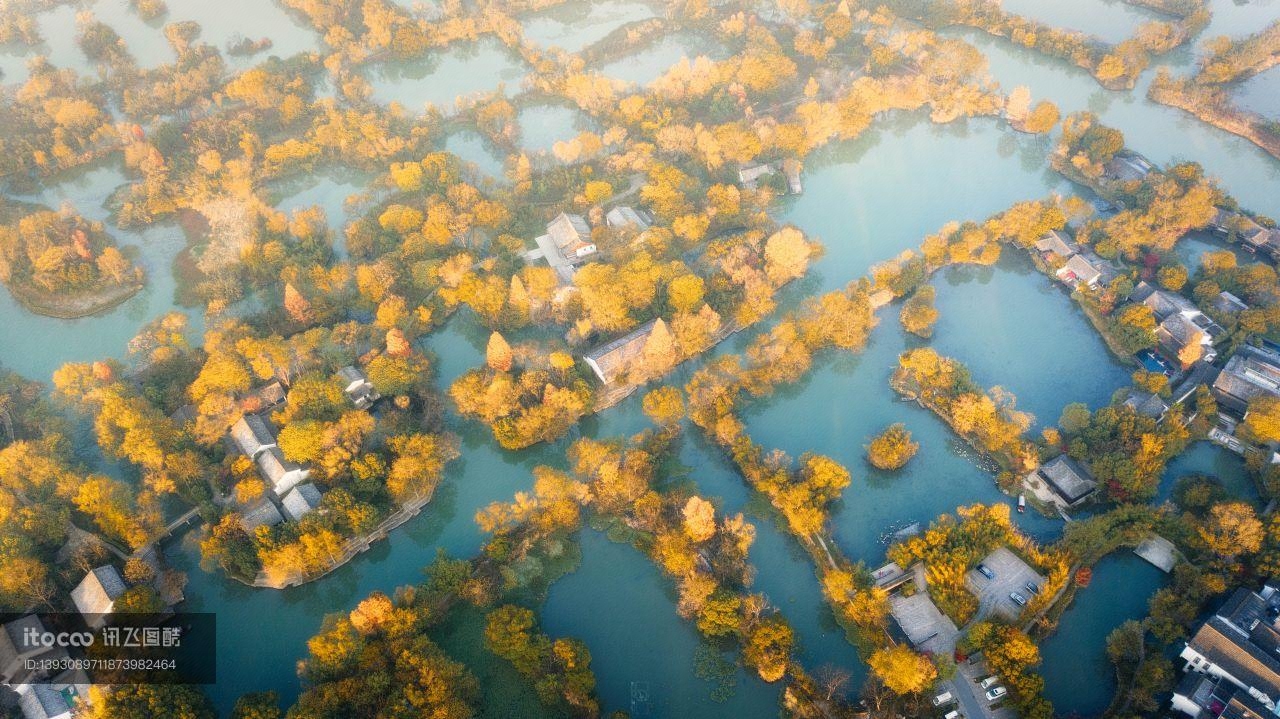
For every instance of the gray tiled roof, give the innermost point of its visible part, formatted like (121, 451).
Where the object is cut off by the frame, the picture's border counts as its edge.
(610, 360)
(261, 513)
(98, 591)
(566, 230)
(1230, 648)
(1071, 481)
(252, 435)
(273, 466)
(300, 500)
(1058, 243)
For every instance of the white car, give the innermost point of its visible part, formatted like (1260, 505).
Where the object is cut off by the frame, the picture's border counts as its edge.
(994, 694)
(953, 714)
(986, 683)
(943, 698)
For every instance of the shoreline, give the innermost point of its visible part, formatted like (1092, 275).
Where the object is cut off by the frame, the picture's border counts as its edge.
(71, 310)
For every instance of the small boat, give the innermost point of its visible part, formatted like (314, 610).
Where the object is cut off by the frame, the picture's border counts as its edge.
(1022, 503)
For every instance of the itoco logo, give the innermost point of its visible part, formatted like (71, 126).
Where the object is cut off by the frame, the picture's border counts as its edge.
(34, 638)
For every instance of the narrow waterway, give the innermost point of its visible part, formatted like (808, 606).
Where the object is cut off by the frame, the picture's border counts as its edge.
(1078, 677)
(1009, 324)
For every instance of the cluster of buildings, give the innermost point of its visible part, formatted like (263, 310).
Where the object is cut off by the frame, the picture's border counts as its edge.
(1232, 663)
(1184, 334)
(1077, 266)
(568, 242)
(42, 693)
(39, 695)
(290, 496)
(1253, 237)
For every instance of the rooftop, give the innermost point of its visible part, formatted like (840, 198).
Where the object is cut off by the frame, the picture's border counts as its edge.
(1058, 243)
(98, 591)
(252, 435)
(300, 500)
(610, 360)
(1067, 478)
(259, 514)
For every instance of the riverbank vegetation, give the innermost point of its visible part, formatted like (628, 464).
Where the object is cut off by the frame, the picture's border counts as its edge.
(59, 264)
(297, 304)
(1207, 93)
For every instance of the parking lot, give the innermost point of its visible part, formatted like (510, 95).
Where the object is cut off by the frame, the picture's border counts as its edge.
(1011, 575)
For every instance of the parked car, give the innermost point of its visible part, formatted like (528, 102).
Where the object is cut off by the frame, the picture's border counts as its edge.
(953, 714)
(986, 571)
(1018, 599)
(943, 698)
(1033, 587)
(994, 694)
(986, 683)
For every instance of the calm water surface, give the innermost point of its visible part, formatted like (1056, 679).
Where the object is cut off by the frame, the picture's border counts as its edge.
(574, 26)
(1110, 20)
(1007, 323)
(461, 71)
(646, 65)
(1078, 676)
(542, 126)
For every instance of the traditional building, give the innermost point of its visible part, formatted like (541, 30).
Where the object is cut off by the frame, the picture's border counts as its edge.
(1205, 697)
(1085, 269)
(1070, 483)
(610, 361)
(279, 472)
(749, 176)
(1127, 168)
(1147, 404)
(358, 388)
(1184, 333)
(623, 216)
(566, 244)
(252, 435)
(95, 596)
(1240, 644)
(300, 500)
(43, 701)
(1228, 303)
(1250, 373)
(262, 513)
(572, 236)
(15, 651)
(1056, 244)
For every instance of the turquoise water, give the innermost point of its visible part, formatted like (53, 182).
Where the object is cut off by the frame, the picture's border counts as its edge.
(144, 38)
(330, 192)
(635, 636)
(573, 26)
(854, 203)
(646, 65)
(1212, 460)
(106, 334)
(1011, 310)
(1163, 134)
(440, 79)
(1077, 674)
(223, 21)
(1237, 19)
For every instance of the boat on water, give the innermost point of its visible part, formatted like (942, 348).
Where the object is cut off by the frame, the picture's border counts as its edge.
(1022, 503)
